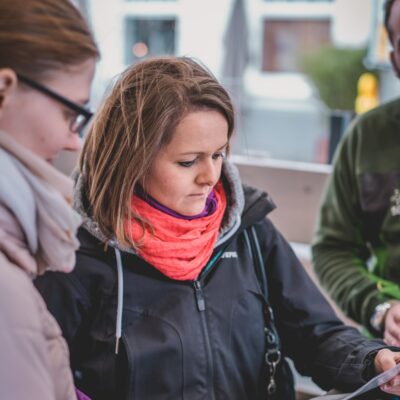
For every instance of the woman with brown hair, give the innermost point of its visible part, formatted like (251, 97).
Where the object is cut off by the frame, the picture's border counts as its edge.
(47, 61)
(180, 273)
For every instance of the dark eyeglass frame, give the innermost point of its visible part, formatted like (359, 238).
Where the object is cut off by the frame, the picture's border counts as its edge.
(78, 123)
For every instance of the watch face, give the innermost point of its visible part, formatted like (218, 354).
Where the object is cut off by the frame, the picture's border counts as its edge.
(378, 316)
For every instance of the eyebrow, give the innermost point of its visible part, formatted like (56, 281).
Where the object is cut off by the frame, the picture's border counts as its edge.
(202, 152)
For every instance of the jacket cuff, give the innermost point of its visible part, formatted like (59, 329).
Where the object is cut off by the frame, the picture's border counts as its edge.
(369, 367)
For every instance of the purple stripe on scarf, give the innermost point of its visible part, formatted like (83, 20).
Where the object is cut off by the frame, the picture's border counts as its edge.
(81, 396)
(210, 207)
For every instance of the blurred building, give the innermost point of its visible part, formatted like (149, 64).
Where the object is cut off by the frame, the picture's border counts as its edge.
(281, 115)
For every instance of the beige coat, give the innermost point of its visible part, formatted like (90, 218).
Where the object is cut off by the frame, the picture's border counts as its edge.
(37, 232)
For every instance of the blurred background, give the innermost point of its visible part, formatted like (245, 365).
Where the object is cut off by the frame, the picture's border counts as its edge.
(293, 69)
(289, 65)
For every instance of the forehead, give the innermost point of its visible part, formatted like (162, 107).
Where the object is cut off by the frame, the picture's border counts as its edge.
(200, 131)
(74, 81)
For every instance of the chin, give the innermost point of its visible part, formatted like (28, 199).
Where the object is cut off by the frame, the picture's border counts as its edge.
(193, 212)
(192, 208)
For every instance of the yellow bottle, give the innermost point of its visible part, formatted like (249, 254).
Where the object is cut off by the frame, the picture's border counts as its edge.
(367, 93)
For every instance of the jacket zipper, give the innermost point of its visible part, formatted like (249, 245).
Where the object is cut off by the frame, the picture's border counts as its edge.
(201, 306)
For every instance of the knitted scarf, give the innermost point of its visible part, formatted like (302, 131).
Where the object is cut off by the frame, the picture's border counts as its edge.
(177, 247)
(36, 195)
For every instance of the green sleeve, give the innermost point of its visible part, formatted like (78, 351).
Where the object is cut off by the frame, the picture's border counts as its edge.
(340, 250)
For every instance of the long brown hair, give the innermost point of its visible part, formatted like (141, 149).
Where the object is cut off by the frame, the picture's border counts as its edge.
(37, 36)
(134, 122)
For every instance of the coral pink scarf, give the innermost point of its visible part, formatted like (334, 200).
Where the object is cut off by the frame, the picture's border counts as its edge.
(178, 248)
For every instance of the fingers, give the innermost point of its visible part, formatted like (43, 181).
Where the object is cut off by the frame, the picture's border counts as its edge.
(391, 333)
(384, 360)
(392, 387)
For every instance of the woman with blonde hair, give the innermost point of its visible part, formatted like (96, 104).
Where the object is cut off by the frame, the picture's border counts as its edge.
(47, 61)
(183, 288)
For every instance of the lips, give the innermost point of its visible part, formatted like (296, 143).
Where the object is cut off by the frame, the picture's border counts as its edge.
(199, 194)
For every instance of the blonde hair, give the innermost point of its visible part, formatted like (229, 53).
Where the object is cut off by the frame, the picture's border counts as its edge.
(38, 36)
(134, 122)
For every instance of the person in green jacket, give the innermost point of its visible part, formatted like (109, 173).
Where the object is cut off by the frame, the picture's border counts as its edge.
(356, 251)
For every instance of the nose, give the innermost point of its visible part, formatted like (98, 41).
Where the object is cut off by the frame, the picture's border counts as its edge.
(209, 173)
(74, 142)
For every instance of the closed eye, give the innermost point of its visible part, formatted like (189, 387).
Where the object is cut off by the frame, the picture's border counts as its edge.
(221, 154)
(187, 164)
(190, 163)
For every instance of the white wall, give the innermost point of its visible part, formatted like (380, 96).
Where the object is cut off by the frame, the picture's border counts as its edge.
(351, 22)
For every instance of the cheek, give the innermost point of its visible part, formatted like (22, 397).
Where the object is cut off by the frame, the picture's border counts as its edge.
(52, 141)
(49, 141)
(166, 184)
(41, 137)
(44, 139)
(156, 183)
(52, 128)
(170, 186)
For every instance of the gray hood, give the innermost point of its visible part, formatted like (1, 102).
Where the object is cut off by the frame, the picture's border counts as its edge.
(230, 224)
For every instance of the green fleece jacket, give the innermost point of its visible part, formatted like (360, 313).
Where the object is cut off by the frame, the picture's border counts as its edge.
(356, 251)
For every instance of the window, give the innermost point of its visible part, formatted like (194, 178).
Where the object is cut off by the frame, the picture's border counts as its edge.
(286, 40)
(148, 37)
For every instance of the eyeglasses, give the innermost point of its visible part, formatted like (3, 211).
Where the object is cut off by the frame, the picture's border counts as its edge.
(83, 115)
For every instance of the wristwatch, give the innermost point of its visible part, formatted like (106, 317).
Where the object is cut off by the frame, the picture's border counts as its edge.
(378, 316)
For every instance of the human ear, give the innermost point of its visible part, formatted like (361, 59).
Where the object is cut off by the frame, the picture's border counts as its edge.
(8, 85)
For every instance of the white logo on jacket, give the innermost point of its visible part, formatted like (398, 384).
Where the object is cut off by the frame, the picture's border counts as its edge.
(229, 254)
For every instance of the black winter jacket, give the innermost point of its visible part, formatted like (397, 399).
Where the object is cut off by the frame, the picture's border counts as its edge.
(204, 339)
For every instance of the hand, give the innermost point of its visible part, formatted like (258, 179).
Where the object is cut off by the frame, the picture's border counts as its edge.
(384, 360)
(391, 333)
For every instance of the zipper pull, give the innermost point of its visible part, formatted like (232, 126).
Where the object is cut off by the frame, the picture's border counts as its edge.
(201, 304)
